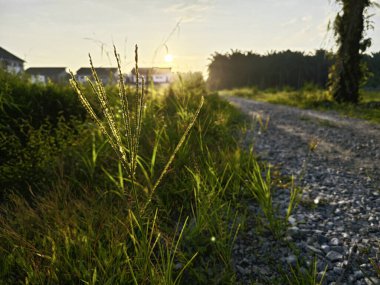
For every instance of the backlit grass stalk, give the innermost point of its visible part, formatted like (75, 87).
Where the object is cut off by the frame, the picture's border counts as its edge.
(131, 117)
(132, 121)
(180, 143)
(295, 198)
(93, 115)
(263, 126)
(125, 107)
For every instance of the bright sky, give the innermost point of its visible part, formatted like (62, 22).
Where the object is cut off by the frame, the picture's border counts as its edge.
(63, 32)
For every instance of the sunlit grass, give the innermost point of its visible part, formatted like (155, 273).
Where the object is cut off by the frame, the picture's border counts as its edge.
(165, 211)
(311, 98)
(86, 227)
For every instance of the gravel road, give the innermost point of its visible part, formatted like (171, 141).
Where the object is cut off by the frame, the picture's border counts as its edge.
(338, 220)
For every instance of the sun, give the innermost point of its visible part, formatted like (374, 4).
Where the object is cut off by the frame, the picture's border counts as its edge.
(168, 58)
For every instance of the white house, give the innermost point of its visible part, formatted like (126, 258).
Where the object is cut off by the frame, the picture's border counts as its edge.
(157, 75)
(46, 74)
(108, 75)
(10, 62)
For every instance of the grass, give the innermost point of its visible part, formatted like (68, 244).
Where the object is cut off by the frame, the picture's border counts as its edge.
(128, 212)
(147, 189)
(312, 98)
(124, 138)
(305, 275)
(258, 181)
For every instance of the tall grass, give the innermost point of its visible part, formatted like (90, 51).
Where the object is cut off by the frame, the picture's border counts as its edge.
(148, 191)
(125, 137)
(126, 218)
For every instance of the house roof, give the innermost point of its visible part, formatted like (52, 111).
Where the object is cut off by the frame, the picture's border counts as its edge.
(153, 70)
(4, 54)
(101, 71)
(48, 71)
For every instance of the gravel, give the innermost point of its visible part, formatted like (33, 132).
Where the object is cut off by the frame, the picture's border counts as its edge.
(338, 219)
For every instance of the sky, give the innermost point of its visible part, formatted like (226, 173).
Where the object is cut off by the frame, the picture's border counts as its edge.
(61, 33)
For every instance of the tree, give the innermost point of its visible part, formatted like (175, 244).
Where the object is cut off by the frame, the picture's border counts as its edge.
(347, 72)
(277, 69)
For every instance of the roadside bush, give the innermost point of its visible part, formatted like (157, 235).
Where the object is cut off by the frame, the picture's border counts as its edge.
(37, 124)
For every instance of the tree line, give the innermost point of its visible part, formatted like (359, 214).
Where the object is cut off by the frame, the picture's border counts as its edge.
(281, 69)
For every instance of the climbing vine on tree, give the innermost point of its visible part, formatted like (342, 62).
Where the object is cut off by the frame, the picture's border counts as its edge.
(347, 73)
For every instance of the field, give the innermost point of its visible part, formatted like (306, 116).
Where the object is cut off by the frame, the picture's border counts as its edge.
(146, 187)
(241, 145)
(72, 211)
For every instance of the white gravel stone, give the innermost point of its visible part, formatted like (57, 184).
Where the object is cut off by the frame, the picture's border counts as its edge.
(341, 174)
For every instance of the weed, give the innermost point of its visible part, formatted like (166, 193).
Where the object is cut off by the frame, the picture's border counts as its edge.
(375, 262)
(263, 124)
(295, 198)
(91, 162)
(258, 182)
(313, 144)
(125, 140)
(305, 275)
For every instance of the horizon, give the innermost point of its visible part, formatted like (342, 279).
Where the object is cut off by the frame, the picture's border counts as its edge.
(178, 34)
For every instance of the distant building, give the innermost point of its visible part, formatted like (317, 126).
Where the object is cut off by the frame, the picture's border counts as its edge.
(46, 74)
(108, 75)
(10, 62)
(157, 75)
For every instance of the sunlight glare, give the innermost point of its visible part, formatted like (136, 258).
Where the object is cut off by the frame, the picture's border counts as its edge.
(168, 58)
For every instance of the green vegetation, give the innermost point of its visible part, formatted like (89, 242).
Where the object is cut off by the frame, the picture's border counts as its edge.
(147, 188)
(273, 70)
(343, 72)
(280, 70)
(313, 98)
(305, 276)
(37, 124)
(260, 188)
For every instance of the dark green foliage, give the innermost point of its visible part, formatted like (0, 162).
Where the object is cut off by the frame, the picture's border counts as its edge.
(373, 65)
(274, 70)
(83, 227)
(286, 69)
(347, 73)
(37, 124)
(36, 103)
